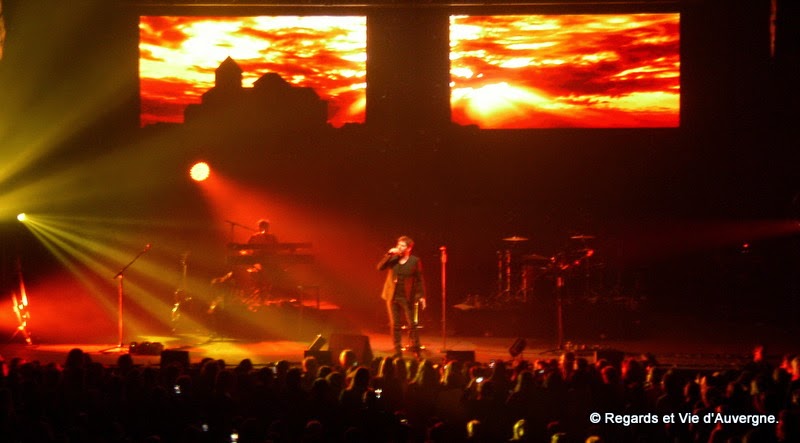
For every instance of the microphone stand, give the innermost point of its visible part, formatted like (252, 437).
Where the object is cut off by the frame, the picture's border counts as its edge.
(119, 277)
(234, 225)
(560, 312)
(444, 298)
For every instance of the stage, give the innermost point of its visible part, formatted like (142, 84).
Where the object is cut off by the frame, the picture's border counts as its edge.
(684, 344)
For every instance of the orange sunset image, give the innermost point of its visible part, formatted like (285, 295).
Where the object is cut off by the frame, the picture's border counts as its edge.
(178, 57)
(556, 71)
(507, 72)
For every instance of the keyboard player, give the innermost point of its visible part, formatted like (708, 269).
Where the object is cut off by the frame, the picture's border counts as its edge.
(259, 266)
(265, 274)
(263, 237)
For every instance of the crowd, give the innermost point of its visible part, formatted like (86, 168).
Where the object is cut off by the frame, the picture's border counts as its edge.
(395, 400)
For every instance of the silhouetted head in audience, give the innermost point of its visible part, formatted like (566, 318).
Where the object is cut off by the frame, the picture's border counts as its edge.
(281, 368)
(710, 389)
(794, 367)
(75, 359)
(319, 389)
(412, 365)
(348, 359)
(788, 428)
(452, 377)
(519, 365)
(500, 371)
(610, 375)
(125, 363)
(520, 430)
(437, 432)
(386, 368)
(672, 384)
(324, 370)
(360, 379)
(310, 365)
(691, 392)
(525, 382)
(245, 366)
(336, 381)
(475, 431)
(426, 374)
(294, 379)
(632, 372)
(314, 432)
(400, 369)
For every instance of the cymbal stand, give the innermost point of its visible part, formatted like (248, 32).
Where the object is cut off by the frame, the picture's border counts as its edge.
(523, 285)
(443, 251)
(500, 270)
(507, 271)
(504, 275)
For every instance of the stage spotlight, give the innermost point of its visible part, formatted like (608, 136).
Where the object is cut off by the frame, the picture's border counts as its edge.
(22, 217)
(200, 171)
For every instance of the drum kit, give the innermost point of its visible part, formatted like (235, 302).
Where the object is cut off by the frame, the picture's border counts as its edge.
(520, 275)
(519, 271)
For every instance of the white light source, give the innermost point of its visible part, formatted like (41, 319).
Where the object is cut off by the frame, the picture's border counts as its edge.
(200, 171)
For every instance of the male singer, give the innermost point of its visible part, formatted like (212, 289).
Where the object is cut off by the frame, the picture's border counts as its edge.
(403, 289)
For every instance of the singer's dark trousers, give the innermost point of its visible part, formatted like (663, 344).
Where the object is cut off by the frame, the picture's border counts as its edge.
(401, 311)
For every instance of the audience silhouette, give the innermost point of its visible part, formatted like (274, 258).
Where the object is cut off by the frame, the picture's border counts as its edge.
(392, 400)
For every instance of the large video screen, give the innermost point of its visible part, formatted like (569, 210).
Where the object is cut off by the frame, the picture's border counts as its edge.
(565, 71)
(178, 57)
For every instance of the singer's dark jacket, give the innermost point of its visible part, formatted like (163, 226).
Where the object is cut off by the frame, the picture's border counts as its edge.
(413, 285)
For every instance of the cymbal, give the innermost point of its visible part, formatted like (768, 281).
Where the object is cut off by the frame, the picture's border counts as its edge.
(582, 237)
(515, 238)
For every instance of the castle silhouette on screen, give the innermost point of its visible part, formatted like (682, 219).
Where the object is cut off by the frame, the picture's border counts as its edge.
(272, 104)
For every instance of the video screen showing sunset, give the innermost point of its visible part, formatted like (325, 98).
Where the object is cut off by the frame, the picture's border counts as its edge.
(178, 57)
(565, 71)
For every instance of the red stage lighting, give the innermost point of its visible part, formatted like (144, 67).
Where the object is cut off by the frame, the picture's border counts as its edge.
(200, 171)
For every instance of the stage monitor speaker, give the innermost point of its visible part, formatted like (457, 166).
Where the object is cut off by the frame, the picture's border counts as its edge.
(170, 356)
(462, 356)
(612, 356)
(323, 357)
(358, 343)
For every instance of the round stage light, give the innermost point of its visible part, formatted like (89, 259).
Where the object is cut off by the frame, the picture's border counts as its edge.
(22, 217)
(200, 171)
